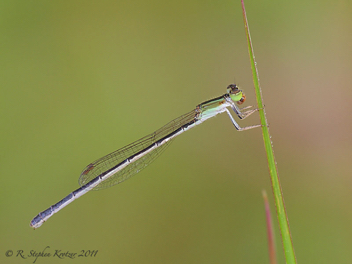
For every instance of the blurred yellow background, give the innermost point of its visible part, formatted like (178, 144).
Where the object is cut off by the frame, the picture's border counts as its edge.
(80, 79)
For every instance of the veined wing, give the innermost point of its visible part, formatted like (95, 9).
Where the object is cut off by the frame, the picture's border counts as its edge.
(113, 159)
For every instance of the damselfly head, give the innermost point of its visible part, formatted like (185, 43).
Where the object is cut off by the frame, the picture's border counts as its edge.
(236, 94)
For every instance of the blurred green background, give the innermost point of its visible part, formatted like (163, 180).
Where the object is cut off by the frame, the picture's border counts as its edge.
(80, 79)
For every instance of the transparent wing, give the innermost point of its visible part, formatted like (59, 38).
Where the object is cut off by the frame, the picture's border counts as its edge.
(111, 160)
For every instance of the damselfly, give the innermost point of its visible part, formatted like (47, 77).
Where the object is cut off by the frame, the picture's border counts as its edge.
(122, 164)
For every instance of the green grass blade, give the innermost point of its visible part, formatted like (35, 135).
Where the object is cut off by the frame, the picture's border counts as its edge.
(275, 183)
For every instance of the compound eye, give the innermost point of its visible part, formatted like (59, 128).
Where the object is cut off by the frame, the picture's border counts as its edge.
(232, 89)
(241, 101)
